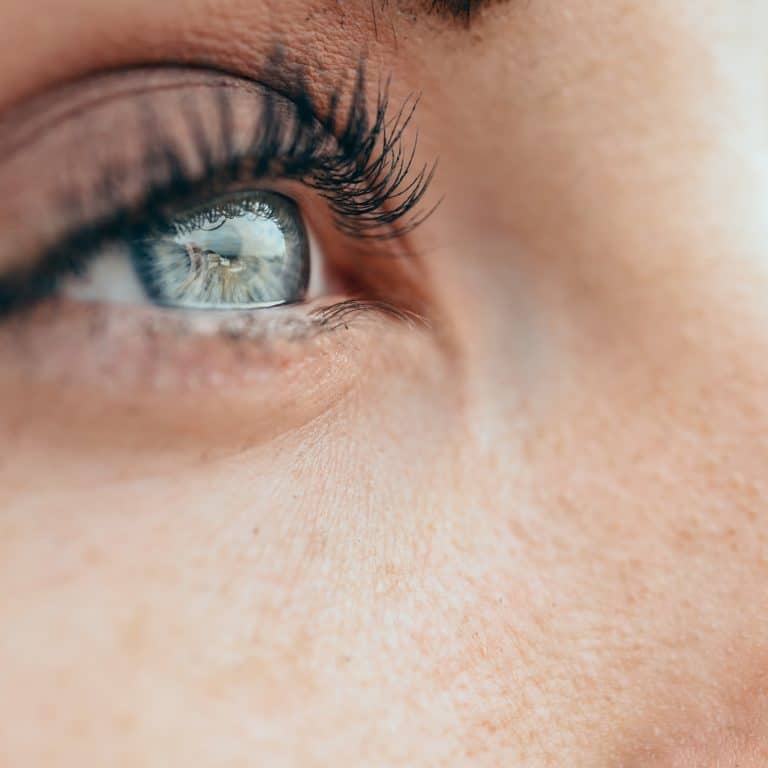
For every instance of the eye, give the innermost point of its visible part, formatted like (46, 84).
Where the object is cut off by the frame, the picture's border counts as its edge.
(179, 208)
(247, 250)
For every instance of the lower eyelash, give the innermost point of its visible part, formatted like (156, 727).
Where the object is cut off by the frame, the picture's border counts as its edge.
(341, 314)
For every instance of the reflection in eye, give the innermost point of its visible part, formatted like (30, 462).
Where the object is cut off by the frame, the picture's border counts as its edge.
(242, 251)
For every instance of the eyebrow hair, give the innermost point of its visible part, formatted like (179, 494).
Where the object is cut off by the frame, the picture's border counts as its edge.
(458, 9)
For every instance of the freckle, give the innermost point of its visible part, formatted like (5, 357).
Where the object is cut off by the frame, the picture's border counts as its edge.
(127, 722)
(80, 729)
(255, 531)
(134, 632)
(94, 557)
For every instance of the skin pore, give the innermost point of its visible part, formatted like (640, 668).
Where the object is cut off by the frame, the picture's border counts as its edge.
(527, 529)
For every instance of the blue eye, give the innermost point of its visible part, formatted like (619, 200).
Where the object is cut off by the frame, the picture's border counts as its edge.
(248, 250)
(242, 251)
(122, 232)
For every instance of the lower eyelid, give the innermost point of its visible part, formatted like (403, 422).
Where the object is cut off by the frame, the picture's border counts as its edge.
(127, 380)
(163, 380)
(129, 351)
(150, 348)
(94, 383)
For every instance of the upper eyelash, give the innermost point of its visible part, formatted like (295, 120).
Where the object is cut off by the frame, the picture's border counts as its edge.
(359, 164)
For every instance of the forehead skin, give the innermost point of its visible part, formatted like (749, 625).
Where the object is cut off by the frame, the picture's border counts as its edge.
(579, 576)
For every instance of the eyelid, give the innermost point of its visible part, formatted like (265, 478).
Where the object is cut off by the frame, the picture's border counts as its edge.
(31, 121)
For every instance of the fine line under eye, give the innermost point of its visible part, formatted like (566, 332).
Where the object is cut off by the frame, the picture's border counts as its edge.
(224, 134)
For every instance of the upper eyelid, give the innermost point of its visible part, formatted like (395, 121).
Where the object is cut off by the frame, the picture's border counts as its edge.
(23, 124)
(29, 127)
(35, 114)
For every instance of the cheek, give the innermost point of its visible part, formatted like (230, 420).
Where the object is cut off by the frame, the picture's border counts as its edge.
(638, 518)
(239, 594)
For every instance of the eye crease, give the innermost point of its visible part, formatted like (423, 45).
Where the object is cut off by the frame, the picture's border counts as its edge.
(232, 137)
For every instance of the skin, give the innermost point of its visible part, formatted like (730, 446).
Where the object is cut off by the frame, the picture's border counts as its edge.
(528, 533)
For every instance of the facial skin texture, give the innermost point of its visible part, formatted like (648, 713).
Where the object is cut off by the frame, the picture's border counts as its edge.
(531, 533)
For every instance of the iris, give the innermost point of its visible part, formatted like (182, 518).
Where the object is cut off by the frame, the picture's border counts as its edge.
(245, 250)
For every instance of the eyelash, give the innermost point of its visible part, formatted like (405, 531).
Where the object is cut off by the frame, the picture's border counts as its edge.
(358, 165)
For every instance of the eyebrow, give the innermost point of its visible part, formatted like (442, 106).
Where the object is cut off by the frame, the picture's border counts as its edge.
(461, 10)
(458, 7)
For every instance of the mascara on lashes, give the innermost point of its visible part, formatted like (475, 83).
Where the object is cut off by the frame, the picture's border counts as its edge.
(359, 164)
